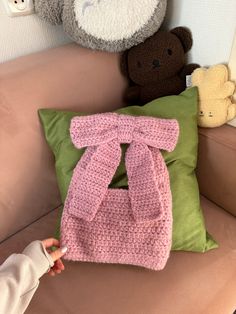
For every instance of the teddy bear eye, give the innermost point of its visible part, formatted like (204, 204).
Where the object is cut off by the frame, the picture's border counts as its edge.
(169, 51)
(139, 65)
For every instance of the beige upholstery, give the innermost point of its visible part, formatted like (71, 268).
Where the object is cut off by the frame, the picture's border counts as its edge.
(68, 78)
(217, 166)
(73, 78)
(191, 282)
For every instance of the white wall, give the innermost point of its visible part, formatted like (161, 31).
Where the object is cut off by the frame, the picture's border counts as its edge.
(24, 35)
(212, 23)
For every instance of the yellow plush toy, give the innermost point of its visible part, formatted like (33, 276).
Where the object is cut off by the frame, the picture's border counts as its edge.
(215, 90)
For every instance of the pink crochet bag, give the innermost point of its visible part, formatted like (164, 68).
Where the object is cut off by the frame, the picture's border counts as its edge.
(126, 226)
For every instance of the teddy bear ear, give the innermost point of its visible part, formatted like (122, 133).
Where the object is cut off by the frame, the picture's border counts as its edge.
(124, 63)
(184, 36)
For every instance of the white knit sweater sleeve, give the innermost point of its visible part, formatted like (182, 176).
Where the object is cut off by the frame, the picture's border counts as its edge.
(19, 277)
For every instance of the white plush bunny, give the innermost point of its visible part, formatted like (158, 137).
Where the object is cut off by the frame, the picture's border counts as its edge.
(111, 25)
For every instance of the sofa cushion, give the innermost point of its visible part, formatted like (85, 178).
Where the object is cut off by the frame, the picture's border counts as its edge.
(68, 77)
(198, 283)
(188, 226)
(216, 166)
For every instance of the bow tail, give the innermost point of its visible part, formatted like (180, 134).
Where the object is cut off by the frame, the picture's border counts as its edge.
(162, 177)
(72, 196)
(91, 178)
(144, 183)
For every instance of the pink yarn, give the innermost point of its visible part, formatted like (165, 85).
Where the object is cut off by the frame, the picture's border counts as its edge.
(131, 226)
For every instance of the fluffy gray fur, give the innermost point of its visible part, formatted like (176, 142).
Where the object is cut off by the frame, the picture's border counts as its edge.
(50, 10)
(62, 12)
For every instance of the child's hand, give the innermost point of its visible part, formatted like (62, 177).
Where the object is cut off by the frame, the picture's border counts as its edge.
(56, 255)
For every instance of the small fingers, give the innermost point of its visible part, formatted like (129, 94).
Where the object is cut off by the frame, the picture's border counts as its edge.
(51, 272)
(50, 242)
(59, 264)
(54, 270)
(56, 255)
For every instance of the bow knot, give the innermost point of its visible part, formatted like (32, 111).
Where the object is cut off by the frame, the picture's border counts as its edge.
(125, 129)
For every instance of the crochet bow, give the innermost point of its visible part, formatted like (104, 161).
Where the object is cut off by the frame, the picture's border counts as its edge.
(102, 134)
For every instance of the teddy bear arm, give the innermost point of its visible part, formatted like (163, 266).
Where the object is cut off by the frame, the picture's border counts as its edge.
(188, 70)
(227, 89)
(198, 76)
(231, 112)
(50, 10)
(132, 94)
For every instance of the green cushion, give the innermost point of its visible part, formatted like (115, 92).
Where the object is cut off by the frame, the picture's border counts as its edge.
(189, 231)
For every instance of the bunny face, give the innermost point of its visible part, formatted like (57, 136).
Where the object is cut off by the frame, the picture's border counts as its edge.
(112, 25)
(213, 113)
(111, 20)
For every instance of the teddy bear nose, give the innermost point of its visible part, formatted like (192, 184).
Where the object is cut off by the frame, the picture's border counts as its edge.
(156, 63)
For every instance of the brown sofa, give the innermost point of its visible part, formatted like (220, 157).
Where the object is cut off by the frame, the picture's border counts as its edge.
(73, 78)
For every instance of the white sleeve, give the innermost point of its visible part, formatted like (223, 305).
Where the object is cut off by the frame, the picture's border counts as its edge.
(19, 277)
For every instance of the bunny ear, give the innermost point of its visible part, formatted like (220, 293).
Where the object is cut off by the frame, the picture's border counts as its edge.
(198, 76)
(185, 36)
(219, 71)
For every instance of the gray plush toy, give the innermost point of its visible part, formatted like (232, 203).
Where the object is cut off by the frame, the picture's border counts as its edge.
(111, 25)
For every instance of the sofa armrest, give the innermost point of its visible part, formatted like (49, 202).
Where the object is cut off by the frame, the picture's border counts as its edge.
(216, 170)
(68, 78)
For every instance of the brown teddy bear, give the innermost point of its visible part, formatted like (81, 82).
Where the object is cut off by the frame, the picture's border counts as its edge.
(157, 67)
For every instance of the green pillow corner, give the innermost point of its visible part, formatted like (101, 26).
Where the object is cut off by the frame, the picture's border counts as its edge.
(189, 233)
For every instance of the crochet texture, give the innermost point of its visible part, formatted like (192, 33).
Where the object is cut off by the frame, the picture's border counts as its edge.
(131, 226)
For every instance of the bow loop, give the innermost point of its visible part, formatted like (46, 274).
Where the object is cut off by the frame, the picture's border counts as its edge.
(102, 128)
